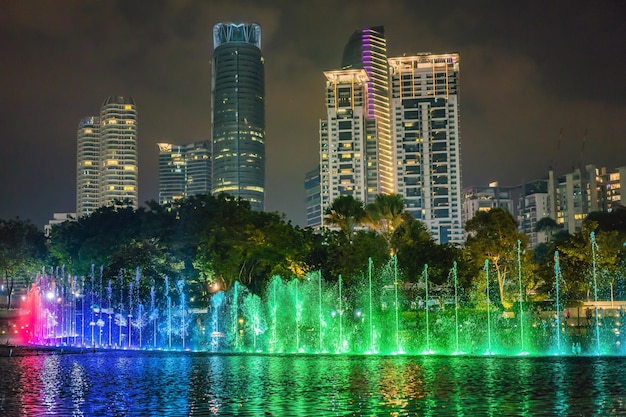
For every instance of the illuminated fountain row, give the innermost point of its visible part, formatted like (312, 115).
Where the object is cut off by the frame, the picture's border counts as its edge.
(373, 314)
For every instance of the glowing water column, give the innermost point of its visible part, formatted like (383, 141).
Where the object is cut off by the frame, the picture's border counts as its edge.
(594, 249)
(521, 296)
(489, 352)
(425, 275)
(557, 279)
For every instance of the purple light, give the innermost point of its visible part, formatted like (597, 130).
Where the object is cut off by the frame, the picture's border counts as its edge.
(366, 60)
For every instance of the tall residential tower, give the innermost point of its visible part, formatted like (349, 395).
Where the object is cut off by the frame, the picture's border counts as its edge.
(367, 49)
(425, 120)
(119, 178)
(107, 159)
(88, 166)
(348, 158)
(238, 118)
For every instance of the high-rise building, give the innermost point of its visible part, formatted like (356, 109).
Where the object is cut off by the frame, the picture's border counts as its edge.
(184, 170)
(367, 49)
(313, 203)
(238, 113)
(486, 198)
(198, 164)
(573, 195)
(425, 125)
(171, 173)
(88, 166)
(614, 182)
(533, 206)
(107, 160)
(348, 156)
(119, 174)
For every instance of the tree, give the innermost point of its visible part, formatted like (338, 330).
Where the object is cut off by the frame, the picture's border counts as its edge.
(493, 236)
(346, 213)
(385, 215)
(548, 226)
(577, 259)
(22, 251)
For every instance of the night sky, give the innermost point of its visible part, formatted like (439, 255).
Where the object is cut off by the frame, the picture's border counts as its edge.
(535, 76)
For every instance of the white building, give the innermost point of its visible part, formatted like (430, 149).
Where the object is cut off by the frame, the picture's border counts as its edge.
(348, 164)
(58, 218)
(425, 126)
(118, 152)
(107, 157)
(88, 166)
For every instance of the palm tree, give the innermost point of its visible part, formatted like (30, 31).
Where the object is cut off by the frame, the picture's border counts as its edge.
(386, 214)
(346, 213)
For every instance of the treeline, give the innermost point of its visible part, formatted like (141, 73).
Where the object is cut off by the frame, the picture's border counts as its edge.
(213, 241)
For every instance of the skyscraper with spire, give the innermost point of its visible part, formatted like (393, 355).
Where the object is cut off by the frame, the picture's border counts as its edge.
(238, 113)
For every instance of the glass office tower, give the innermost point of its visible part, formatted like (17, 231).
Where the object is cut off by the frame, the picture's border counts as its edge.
(238, 118)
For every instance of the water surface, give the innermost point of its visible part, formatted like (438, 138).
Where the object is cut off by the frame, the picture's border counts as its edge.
(120, 383)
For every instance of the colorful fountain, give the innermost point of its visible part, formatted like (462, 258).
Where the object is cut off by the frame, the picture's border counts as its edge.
(376, 314)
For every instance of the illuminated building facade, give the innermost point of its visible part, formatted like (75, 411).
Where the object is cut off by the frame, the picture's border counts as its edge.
(184, 170)
(348, 164)
(88, 166)
(367, 49)
(107, 160)
(614, 182)
(238, 113)
(573, 195)
(425, 126)
(118, 152)
(486, 198)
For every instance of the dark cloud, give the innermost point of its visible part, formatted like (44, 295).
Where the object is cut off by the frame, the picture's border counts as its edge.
(535, 76)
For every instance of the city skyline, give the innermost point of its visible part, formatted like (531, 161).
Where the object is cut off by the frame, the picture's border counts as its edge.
(538, 80)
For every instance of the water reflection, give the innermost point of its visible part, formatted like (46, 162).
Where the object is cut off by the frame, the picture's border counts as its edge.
(174, 384)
